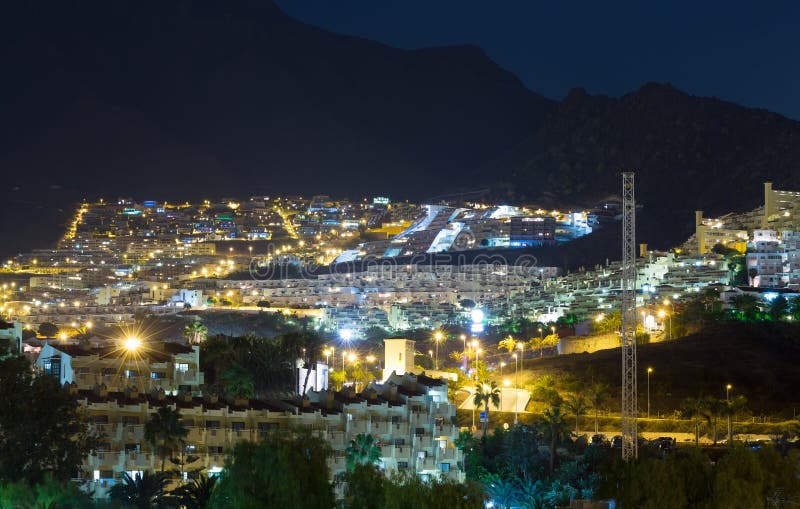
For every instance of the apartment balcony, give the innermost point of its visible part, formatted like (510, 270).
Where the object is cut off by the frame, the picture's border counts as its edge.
(195, 435)
(358, 426)
(103, 460)
(139, 461)
(239, 435)
(387, 451)
(131, 433)
(215, 437)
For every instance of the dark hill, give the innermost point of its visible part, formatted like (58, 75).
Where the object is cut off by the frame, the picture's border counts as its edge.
(688, 152)
(174, 96)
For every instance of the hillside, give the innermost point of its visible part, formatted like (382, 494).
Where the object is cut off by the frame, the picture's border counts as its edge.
(688, 152)
(759, 360)
(177, 98)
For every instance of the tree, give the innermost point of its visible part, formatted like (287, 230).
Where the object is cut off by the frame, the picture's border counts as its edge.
(195, 332)
(145, 491)
(597, 394)
(747, 306)
(44, 495)
(611, 322)
(196, 495)
(165, 432)
(365, 488)
(577, 406)
(362, 450)
(733, 406)
(779, 308)
(288, 470)
(485, 394)
(554, 428)
(48, 329)
(694, 409)
(338, 378)
(714, 407)
(312, 348)
(43, 430)
(292, 344)
(238, 382)
(508, 343)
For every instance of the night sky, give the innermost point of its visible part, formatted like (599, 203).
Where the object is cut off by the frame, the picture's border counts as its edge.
(746, 52)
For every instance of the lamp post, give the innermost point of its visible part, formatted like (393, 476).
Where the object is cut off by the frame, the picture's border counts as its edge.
(475, 347)
(541, 340)
(516, 390)
(506, 384)
(671, 305)
(437, 336)
(521, 346)
(649, 372)
(502, 365)
(466, 352)
(730, 417)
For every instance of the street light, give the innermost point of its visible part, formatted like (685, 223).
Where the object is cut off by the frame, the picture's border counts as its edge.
(437, 336)
(502, 365)
(521, 347)
(671, 305)
(466, 352)
(649, 372)
(132, 344)
(516, 390)
(728, 392)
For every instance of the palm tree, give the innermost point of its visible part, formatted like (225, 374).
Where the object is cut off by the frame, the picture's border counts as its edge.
(577, 406)
(363, 450)
(554, 428)
(165, 432)
(464, 443)
(714, 408)
(485, 394)
(598, 393)
(502, 491)
(238, 382)
(292, 346)
(312, 344)
(145, 491)
(733, 406)
(196, 495)
(195, 332)
(694, 408)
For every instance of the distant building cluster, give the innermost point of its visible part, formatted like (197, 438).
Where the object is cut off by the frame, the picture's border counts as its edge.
(767, 235)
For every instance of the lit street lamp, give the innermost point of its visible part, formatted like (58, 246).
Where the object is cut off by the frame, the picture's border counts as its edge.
(516, 389)
(437, 336)
(728, 392)
(649, 372)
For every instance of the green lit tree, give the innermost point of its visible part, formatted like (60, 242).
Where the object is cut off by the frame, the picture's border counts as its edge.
(362, 450)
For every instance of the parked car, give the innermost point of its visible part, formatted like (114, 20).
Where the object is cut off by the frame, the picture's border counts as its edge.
(599, 439)
(616, 442)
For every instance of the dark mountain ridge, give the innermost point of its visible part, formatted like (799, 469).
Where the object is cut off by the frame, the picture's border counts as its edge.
(179, 99)
(226, 95)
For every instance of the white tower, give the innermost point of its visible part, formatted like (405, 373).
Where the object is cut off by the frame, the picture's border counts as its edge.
(398, 356)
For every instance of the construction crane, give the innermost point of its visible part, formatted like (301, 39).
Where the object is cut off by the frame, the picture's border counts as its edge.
(628, 333)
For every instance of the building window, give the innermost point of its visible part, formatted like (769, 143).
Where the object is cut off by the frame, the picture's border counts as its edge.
(158, 375)
(444, 467)
(182, 367)
(52, 366)
(402, 465)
